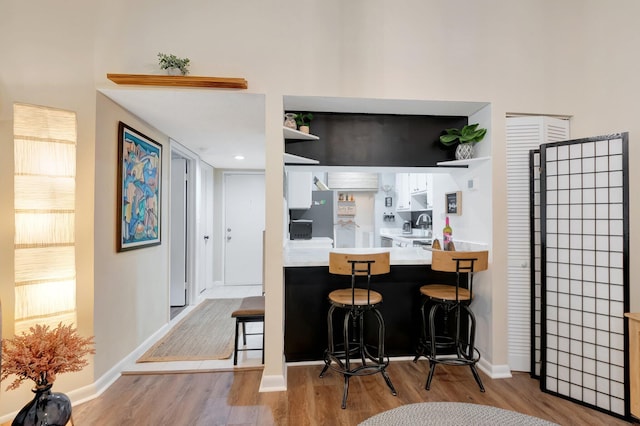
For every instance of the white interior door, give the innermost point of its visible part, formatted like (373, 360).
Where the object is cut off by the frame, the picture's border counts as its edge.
(244, 222)
(178, 292)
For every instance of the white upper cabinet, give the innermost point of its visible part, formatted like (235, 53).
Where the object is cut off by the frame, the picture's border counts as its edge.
(421, 186)
(299, 188)
(403, 187)
(419, 182)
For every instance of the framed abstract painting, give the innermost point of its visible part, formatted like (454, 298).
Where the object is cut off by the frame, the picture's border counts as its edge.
(139, 189)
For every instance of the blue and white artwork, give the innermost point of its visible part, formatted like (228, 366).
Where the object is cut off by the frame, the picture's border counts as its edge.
(139, 188)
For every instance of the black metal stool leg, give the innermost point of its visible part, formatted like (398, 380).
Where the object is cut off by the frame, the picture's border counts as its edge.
(388, 380)
(469, 353)
(263, 342)
(361, 337)
(345, 336)
(326, 366)
(235, 345)
(432, 349)
(432, 369)
(423, 340)
(330, 345)
(345, 392)
(244, 333)
(381, 332)
(476, 376)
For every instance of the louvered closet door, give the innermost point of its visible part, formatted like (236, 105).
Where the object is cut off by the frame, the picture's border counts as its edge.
(585, 271)
(523, 135)
(536, 254)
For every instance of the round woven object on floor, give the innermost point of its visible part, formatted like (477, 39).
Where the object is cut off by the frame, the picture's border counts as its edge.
(452, 413)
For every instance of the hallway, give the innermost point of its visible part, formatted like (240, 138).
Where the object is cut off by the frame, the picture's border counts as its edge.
(248, 359)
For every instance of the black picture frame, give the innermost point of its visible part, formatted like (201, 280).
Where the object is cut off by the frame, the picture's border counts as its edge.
(453, 203)
(139, 190)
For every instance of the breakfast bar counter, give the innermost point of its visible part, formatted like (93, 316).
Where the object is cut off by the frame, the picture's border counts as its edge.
(320, 256)
(308, 284)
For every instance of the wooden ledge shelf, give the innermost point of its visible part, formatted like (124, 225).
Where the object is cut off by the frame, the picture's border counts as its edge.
(179, 81)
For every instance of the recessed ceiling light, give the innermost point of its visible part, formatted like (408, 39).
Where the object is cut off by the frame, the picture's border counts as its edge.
(239, 157)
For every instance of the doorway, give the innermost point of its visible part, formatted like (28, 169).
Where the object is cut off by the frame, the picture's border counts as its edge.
(184, 245)
(244, 221)
(179, 231)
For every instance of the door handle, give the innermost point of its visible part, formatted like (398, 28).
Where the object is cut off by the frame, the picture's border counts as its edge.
(228, 237)
(206, 237)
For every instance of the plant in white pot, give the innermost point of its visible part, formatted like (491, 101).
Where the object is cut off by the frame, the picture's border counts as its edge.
(173, 64)
(466, 138)
(303, 120)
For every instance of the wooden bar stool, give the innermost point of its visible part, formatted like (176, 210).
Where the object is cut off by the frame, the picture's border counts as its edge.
(458, 349)
(251, 310)
(356, 302)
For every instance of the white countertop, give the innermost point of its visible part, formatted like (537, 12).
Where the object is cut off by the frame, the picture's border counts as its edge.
(315, 242)
(320, 256)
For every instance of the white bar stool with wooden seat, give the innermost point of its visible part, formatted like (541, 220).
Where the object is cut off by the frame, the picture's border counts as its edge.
(357, 302)
(458, 349)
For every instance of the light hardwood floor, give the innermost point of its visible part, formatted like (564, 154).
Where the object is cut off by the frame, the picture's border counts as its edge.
(232, 398)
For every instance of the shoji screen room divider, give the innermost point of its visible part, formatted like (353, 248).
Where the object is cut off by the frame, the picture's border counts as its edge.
(584, 232)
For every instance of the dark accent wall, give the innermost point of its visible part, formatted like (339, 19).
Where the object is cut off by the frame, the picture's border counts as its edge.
(384, 140)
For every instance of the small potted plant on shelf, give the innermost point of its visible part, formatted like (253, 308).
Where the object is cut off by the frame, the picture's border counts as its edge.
(466, 138)
(41, 355)
(303, 120)
(173, 64)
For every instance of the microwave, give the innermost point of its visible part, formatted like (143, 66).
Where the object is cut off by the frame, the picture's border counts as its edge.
(300, 229)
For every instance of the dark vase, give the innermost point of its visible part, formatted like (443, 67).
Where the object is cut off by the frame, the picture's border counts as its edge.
(46, 408)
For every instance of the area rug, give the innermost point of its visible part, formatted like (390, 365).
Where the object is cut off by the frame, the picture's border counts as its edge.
(452, 413)
(206, 332)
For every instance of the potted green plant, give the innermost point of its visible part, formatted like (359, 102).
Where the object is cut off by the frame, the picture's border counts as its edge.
(466, 138)
(303, 120)
(173, 64)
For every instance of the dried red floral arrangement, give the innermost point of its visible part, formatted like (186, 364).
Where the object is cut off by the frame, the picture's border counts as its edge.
(44, 353)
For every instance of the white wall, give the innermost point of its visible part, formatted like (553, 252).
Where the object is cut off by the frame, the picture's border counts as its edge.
(50, 50)
(584, 63)
(131, 288)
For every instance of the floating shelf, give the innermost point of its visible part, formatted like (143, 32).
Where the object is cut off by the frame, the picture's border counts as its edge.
(179, 81)
(462, 163)
(296, 159)
(290, 133)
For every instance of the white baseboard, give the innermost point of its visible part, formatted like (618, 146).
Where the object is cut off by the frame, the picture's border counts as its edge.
(494, 371)
(94, 390)
(520, 362)
(274, 383)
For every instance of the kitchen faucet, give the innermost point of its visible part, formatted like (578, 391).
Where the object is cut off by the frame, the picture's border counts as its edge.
(424, 220)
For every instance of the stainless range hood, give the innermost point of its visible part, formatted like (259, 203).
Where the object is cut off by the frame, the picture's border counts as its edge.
(353, 181)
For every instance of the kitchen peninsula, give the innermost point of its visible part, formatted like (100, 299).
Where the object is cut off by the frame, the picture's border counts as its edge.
(308, 283)
(387, 141)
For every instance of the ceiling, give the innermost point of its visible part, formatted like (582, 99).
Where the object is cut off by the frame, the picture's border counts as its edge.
(218, 125)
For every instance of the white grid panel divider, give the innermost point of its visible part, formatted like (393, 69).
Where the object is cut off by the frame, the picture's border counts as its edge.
(585, 278)
(523, 135)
